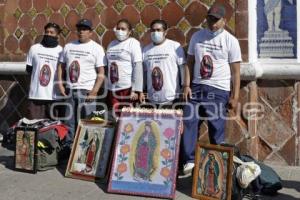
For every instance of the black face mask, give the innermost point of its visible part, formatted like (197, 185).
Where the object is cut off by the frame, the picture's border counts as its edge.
(49, 41)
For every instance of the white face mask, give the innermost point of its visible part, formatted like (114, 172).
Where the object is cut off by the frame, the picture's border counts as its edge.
(121, 35)
(157, 37)
(215, 33)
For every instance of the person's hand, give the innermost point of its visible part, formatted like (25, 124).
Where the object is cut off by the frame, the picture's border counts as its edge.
(134, 96)
(91, 96)
(142, 97)
(187, 93)
(233, 103)
(62, 90)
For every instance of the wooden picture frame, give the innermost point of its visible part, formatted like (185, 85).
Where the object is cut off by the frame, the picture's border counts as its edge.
(90, 155)
(26, 149)
(212, 178)
(146, 153)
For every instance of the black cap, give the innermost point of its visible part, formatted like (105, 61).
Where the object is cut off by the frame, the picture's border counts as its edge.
(84, 22)
(217, 10)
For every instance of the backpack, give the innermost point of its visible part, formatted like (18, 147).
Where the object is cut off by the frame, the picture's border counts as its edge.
(268, 182)
(237, 192)
(47, 149)
(50, 136)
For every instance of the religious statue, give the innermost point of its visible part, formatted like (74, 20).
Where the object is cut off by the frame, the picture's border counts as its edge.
(273, 13)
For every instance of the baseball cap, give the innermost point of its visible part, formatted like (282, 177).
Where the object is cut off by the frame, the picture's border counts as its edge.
(84, 22)
(217, 10)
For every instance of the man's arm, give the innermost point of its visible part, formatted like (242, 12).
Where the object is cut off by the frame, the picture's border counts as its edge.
(137, 81)
(236, 82)
(29, 69)
(99, 80)
(188, 74)
(60, 68)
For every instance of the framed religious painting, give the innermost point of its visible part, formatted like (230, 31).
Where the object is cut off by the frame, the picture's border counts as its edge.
(90, 156)
(26, 149)
(146, 153)
(212, 178)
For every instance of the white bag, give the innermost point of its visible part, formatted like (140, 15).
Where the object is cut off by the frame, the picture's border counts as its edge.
(246, 172)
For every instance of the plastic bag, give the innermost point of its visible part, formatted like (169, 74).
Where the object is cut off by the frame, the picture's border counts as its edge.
(246, 172)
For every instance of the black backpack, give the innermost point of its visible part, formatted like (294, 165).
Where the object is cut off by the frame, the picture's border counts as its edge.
(268, 182)
(237, 192)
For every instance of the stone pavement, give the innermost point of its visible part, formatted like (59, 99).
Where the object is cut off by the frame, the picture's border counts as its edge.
(52, 184)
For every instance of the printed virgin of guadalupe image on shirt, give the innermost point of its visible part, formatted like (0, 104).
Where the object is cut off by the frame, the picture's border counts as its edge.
(212, 175)
(45, 75)
(87, 151)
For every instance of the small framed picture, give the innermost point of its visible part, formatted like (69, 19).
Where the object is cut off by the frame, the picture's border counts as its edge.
(213, 172)
(146, 153)
(26, 149)
(90, 156)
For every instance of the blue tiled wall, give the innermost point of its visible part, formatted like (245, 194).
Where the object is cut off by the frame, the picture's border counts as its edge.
(288, 21)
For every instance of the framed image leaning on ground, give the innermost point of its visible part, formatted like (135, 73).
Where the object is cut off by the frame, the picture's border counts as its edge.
(26, 149)
(212, 178)
(146, 154)
(90, 156)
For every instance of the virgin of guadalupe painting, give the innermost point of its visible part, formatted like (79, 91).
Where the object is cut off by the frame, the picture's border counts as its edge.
(90, 154)
(212, 172)
(146, 153)
(25, 151)
(146, 146)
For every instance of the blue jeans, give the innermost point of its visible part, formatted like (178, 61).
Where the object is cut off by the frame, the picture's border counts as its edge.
(207, 103)
(77, 109)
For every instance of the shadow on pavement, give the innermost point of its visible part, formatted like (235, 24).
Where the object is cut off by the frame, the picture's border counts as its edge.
(62, 166)
(184, 185)
(280, 197)
(291, 184)
(7, 156)
(7, 161)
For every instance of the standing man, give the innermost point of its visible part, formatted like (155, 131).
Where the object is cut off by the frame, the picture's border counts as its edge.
(42, 60)
(214, 58)
(83, 61)
(163, 60)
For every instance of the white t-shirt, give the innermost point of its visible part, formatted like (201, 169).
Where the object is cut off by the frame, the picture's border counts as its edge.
(121, 57)
(212, 58)
(161, 63)
(44, 64)
(81, 61)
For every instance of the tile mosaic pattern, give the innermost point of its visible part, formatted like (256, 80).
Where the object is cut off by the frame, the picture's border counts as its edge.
(29, 18)
(276, 130)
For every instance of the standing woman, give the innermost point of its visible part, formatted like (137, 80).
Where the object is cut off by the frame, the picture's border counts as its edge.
(124, 56)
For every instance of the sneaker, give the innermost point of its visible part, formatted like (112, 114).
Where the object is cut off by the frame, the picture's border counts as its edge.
(188, 168)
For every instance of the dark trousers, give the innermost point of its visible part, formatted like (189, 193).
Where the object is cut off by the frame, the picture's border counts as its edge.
(77, 108)
(207, 103)
(41, 109)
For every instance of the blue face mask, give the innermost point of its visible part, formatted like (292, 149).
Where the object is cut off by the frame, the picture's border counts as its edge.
(215, 33)
(157, 37)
